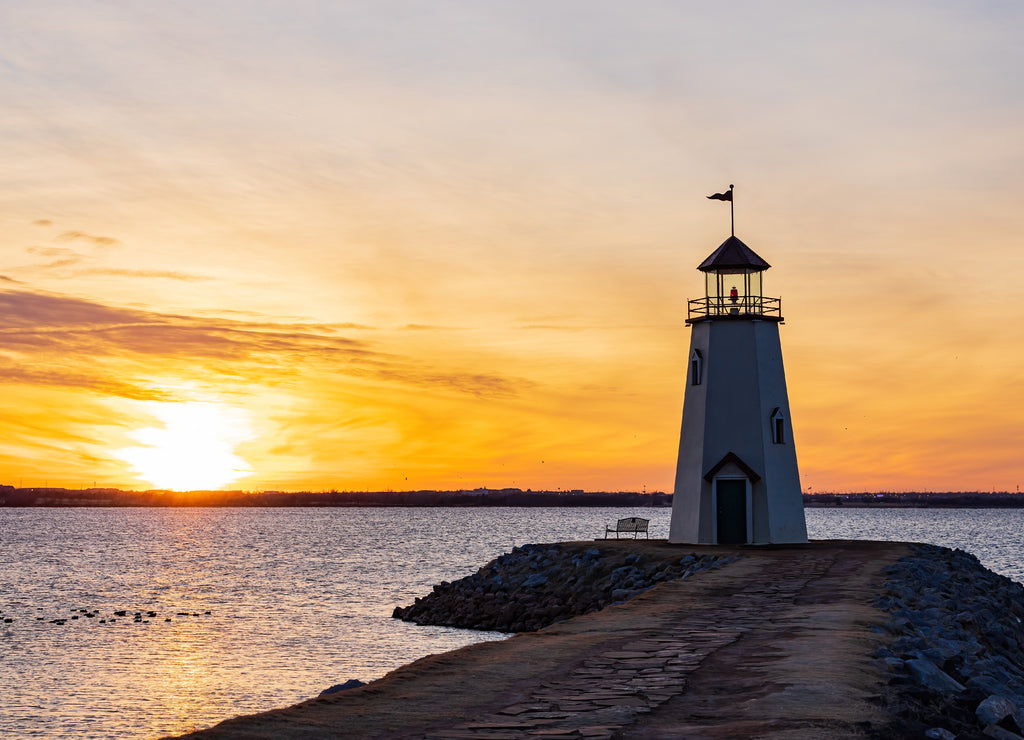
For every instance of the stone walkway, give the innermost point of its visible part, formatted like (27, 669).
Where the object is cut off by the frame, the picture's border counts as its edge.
(609, 690)
(604, 694)
(776, 644)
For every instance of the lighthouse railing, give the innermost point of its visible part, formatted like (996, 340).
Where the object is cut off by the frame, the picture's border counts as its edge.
(742, 306)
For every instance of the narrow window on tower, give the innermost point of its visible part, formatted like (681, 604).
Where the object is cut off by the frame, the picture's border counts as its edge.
(778, 426)
(696, 367)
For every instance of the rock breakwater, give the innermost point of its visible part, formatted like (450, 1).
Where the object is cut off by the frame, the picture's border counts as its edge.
(957, 660)
(537, 585)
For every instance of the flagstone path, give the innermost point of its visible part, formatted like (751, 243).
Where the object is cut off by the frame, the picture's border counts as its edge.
(776, 644)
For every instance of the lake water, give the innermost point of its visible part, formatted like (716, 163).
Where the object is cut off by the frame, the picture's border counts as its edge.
(298, 599)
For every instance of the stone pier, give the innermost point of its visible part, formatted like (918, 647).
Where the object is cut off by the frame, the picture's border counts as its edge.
(777, 644)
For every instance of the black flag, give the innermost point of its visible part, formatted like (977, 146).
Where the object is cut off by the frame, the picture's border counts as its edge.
(727, 195)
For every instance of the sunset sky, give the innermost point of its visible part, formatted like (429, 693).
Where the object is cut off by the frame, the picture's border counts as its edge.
(325, 244)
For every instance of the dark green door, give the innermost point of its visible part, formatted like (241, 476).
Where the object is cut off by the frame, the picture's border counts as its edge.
(731, 511)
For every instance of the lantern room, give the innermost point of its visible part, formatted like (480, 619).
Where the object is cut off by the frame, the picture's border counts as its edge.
(733, 279)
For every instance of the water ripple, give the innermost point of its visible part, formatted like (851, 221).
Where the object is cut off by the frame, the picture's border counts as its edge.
(298, 600)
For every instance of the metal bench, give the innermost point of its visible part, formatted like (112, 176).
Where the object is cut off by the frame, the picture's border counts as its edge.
(632, 524)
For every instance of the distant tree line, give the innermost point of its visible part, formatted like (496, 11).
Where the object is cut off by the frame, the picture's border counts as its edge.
(11, 496)
(912, 499)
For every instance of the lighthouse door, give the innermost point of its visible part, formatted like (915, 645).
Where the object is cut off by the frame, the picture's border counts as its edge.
(731, 510)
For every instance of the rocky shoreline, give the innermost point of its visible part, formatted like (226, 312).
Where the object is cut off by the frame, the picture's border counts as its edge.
(957, 657)
(537, 585)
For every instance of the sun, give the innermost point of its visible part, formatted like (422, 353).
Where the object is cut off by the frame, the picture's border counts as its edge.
(195, 449)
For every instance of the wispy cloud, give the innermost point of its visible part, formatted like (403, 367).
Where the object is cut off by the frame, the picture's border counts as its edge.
(555, 327)
(48, 321)
(58, 256)
(80, 380)
(60, 252)
(61, 257)
(42, 326)
(101, 241)
(127, 272)
(428, 327)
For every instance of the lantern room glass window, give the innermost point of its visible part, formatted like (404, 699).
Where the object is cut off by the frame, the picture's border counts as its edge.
(712, 280)
(736, 292)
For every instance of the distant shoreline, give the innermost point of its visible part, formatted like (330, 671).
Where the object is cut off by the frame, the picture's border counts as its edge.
(12, 497)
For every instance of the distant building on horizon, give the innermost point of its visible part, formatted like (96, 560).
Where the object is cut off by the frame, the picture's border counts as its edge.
(737, 480)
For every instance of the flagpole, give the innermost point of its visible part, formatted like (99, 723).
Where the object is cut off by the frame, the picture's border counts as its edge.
(732, 209)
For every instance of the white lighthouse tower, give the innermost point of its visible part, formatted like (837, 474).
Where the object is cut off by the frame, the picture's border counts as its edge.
(737, 479)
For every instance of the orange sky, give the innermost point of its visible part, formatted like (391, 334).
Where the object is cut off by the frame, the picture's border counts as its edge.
(446, 245)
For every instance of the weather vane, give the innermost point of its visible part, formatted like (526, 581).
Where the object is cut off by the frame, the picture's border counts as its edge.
(732, 208)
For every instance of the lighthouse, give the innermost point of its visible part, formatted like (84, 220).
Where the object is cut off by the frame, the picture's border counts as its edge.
(737, 480)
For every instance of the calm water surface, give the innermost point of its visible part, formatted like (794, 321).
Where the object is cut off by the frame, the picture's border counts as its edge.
(299, 599)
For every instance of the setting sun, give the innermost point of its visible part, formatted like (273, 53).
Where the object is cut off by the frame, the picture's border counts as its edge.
(195, 448)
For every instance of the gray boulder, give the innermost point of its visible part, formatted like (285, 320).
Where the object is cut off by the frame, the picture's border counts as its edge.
(537, 579)
(1000, 733)
(352, 683)
(992, 710)
(930, 676)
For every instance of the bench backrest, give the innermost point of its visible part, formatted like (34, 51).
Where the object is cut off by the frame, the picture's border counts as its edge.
(632, 524)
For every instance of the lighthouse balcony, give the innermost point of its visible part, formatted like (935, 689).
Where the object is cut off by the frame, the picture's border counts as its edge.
(734, 307)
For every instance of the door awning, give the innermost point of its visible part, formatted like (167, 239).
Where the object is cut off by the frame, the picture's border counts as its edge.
(732, 457)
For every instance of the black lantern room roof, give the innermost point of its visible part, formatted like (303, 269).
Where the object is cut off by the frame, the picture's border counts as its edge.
(733, 256)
